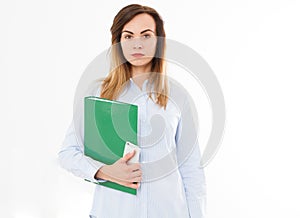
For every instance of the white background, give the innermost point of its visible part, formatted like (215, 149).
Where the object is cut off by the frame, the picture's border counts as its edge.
(253, 48)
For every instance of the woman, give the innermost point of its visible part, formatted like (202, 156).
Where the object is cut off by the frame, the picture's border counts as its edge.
(168, 178)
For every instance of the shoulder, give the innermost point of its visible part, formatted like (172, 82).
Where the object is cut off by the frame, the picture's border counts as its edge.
(96, 87)
(177, 92)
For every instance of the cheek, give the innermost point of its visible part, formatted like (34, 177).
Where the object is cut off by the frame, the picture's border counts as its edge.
(150, 48)
(126, 49)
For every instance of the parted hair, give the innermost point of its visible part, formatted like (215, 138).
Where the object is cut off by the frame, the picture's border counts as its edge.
(120, 69)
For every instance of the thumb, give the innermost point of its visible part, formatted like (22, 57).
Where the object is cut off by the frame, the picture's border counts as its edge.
(128, 156)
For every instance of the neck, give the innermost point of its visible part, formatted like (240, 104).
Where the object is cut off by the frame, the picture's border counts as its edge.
(139, 70)
(140, 74)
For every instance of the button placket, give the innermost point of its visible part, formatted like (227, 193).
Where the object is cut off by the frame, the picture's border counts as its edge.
(143, 112)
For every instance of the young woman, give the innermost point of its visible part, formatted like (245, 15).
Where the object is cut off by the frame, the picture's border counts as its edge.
(169, 179)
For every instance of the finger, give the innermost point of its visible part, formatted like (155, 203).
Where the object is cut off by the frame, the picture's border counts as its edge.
(137, 179)
(128, 156)
(133, 185)
(135, 166)
(137, 173)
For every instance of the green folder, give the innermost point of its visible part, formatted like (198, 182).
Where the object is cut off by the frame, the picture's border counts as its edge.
(107, 126)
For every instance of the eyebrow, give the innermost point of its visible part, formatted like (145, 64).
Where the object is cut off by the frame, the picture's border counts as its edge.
(140, 32)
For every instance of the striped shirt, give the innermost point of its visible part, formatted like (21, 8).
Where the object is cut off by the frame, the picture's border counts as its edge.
(173, 182)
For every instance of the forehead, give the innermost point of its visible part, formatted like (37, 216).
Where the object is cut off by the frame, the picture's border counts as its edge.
(139, 23)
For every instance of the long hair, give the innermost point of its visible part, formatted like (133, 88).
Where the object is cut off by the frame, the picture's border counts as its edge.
(120, 69)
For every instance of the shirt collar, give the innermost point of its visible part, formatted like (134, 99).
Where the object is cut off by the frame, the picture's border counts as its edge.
(134, 85)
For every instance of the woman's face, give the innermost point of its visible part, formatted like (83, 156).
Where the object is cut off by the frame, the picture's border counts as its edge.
(138, 40)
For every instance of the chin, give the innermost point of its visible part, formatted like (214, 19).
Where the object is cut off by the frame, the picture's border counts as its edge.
(140, 62)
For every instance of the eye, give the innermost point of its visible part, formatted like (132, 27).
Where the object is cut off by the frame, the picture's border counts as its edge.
(147, 36)
(127, 37)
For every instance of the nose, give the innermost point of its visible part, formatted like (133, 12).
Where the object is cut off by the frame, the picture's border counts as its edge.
(137, 44)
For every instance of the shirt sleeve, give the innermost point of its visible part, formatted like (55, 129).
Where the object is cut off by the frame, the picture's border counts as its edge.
(71, 155)
(189, 157)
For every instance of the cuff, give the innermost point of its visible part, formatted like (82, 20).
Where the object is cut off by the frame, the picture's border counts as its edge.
(197, 208)
(95, 166)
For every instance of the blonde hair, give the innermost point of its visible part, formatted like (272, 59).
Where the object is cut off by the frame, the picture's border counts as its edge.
(120, 69)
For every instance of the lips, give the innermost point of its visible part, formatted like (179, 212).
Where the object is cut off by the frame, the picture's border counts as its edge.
(138, 55)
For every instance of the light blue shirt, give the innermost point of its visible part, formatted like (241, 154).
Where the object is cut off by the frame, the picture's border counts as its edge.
(173, 182)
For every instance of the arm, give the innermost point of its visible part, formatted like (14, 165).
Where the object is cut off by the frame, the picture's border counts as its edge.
(72, 158)
(188, 156)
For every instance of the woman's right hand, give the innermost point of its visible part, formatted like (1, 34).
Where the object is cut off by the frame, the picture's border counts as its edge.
(122, 173)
